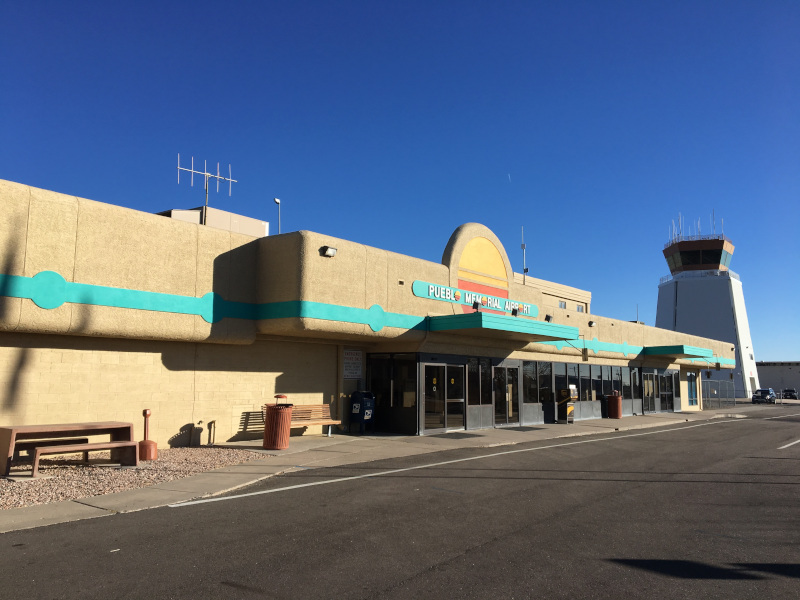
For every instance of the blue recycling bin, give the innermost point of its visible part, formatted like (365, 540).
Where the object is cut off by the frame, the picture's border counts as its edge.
(362, 410)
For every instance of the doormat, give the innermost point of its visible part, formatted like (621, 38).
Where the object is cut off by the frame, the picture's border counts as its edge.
(455, 435)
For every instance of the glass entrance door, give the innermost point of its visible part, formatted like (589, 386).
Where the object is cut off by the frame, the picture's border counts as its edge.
(649, 393)
(506, 395)
(454, 409)
(444, 397)
(434, 396)
(665, 383)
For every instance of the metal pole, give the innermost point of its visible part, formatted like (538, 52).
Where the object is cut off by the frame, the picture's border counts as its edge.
(205, 208)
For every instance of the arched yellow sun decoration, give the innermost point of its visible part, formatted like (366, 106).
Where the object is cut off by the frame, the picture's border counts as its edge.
(481, 269)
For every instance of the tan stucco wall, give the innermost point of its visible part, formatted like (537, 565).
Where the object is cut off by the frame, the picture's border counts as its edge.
(291, 268)
(94, 243)
(65, 379)
(552, 292)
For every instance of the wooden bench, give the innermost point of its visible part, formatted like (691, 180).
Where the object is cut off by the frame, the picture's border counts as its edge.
(306, 415)
(127, 453)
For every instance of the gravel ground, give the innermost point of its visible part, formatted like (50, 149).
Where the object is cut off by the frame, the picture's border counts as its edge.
(71, 479)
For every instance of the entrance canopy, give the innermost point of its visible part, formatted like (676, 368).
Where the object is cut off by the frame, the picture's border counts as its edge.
(679, 351)
(502, 327)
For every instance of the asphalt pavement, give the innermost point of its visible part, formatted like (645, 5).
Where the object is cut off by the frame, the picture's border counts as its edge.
(306, 452)
(699, 509)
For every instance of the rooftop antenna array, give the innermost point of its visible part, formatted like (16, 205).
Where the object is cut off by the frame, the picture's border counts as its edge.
(694, 231)
(207, 176)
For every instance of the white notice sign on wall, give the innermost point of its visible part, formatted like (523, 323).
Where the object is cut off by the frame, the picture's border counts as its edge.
(352, 364)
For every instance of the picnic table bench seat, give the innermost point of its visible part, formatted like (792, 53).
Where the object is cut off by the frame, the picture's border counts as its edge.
(31, 445)
(128, 452)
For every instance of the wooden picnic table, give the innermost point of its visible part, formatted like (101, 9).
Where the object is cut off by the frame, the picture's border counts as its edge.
(118, 431)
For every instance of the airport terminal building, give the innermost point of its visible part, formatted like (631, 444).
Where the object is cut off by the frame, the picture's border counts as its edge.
(106, 311)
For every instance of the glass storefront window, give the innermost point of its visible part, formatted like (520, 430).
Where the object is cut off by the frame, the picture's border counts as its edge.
(530, 383)
(479, 381)
(486, 381)
(636, 383)
(626, 383)
(572, 377)
(616, 379)
(473, 382)
(545, 371)
(405, 380)
(586, 383)
(606, 380)
(559, 378)
(597, 382)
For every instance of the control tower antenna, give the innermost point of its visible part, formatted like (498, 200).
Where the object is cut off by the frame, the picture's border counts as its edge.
(207, 176)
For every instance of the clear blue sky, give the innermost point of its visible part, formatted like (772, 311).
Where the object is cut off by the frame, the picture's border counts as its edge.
(592, 124)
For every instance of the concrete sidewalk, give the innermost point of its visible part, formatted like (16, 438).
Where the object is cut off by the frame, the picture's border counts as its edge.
(321, 451)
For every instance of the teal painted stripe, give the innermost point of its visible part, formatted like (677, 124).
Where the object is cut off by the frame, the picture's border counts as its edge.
(49, 290)
(374, 316)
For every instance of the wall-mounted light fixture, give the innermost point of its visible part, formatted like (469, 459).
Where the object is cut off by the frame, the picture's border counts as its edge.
(514, 312)
(548, 318)
(476, 306)
(328, 251)
(592, 323)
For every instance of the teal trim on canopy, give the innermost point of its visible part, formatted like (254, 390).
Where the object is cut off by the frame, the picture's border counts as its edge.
(681, 351)
(374, 316)
(714, 360)
(481, 321)
(597, 346)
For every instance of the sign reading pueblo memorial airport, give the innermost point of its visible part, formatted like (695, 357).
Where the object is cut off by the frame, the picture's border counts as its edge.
(423, 289)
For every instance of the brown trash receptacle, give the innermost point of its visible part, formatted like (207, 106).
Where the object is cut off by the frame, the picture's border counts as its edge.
(614, 406)
(277, 425)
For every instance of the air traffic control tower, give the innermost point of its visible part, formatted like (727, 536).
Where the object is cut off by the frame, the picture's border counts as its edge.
(702, 296)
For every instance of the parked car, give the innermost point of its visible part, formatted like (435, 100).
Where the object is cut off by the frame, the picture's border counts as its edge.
(790, 393)
(766, 396)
